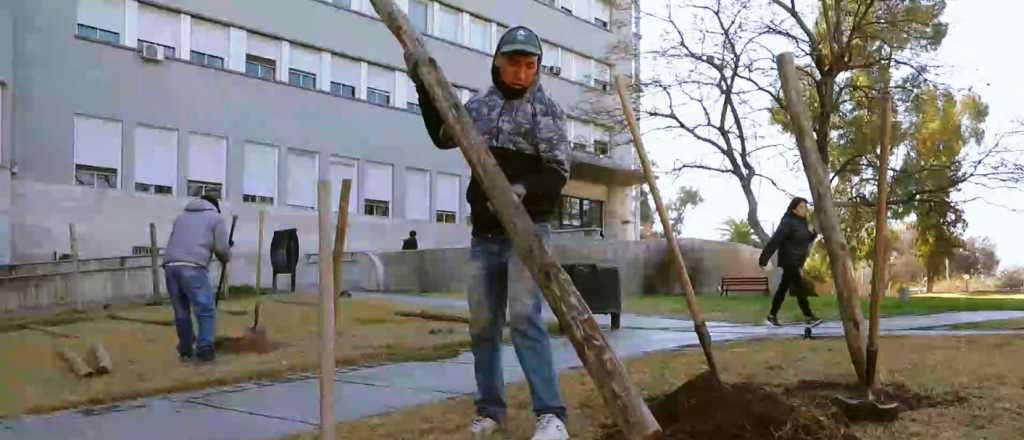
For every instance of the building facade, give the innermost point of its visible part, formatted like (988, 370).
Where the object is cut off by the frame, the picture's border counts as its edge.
(113, 113)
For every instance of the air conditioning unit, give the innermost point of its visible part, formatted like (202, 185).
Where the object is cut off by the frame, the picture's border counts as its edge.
(151, 52)
(554, 70)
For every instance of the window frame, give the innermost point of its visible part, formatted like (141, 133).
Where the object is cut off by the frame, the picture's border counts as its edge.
(338, 89)
(371, 208)
(205, 59)
(584, 210)
(99, 33)
(169, 51)
(258, 200)
(442, 216)
(148, 188)
(262, 64)
(205, 186)
(370, 91)
(303, 76)
(94, 172)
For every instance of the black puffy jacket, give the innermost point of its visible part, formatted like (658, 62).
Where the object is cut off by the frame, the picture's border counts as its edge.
(792, 240)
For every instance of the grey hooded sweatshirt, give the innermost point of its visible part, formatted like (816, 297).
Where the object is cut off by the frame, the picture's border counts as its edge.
(198, 234)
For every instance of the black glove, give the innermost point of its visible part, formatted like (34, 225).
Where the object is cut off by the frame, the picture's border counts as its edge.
(231, 243)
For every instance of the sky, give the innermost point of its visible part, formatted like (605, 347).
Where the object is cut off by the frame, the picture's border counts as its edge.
(980, 52)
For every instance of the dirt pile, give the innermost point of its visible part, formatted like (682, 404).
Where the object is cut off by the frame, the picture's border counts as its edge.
(701, 410)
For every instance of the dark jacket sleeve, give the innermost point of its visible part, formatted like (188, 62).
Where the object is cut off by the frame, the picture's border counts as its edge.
(553, 146)
(432, 120)
(781, 234)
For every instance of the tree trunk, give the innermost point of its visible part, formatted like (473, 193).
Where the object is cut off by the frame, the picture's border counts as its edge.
(818, 180)
(752, 218)
(623, 399)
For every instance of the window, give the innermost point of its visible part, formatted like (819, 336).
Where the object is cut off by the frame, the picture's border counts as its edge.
(210, 43)
(86, 31)
(551, 55)
(302, 177)
(347, 74)
(259, 178)
(449, 24)
(101, 20)
(445, 217)
(169, 51)
(602, 13)
(207, 60)
(377, 208)
(344, 3)
(446, 198)
(381, 85)
(582, 136)
(343, 90)
(419, 15)
(417, 194)
(156, 160)
(97, 151)
(581, 213)
(199, 189)
(342, 168)
(412, 97)
(96, 177)
(377, 191)
(581, 69)
(207, 165)
(260, 67)
(602, 76)
(566, 5)
(302, 79)
(160, 27)
(479, 34)
(602, 144)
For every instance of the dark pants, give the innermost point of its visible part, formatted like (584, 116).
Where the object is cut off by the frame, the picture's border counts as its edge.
(792, 282)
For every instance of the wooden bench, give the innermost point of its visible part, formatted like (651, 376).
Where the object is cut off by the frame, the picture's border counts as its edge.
(743, 284)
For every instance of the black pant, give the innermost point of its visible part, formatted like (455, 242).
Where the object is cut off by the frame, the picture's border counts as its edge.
(791, 281)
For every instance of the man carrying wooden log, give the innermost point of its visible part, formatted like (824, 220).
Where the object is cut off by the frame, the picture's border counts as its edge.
(198, 234)
(526, 133)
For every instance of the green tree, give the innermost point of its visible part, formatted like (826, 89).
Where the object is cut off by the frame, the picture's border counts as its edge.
(737, 230)
(687, 199)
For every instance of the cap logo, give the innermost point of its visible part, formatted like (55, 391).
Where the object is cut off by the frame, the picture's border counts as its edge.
(521, 34)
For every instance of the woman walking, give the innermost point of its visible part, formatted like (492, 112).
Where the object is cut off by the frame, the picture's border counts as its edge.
(792, 240)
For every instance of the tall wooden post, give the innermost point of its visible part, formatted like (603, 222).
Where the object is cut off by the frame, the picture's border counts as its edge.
(327, 419)
(699, 325)
(76, 279)
(154, 259)
(622, 398)
(825, 212)
(259, 251)
(880, 271)
(339, 235)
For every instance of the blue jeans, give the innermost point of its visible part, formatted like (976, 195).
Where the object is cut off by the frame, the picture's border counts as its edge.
(190, 290)
(490, 262)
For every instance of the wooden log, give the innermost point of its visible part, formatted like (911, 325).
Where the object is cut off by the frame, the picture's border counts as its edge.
(699, 325)
(76, 280)
(825, 214)
(327, 326)
(154, 261)
(423, 314)
(103, 364)
(163, 322)
(623, 399)
(339, 242)
(259, 251)
(78, 366)
(50, 331)
(880, 270)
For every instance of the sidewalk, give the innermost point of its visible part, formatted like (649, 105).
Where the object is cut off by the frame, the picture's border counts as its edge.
(261, 410)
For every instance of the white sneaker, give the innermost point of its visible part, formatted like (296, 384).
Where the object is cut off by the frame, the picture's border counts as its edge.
(483, 428)
(550, 427)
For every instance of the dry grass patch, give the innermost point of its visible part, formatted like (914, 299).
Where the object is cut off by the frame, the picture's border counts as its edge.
(971, 387)
(35, 379)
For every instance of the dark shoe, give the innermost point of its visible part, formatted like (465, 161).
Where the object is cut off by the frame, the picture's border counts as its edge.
(186, 356)
(812, 321)
(206, 355)
(772, 321)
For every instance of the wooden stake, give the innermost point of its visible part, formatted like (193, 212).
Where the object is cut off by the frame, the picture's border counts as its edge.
(423, 314)
(327, 364)
(103, 364)
(163, 322)
(259, 252)
(154, 259)
(77, 270)
(825, 214)
(78, 366)
(880, 271)
(699, 325)
(50, 331)
(339, 241)
(621, 397)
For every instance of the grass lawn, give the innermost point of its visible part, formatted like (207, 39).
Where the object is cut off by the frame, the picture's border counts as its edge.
(999, 324)
(981, 373)
(753, 308)
(35, 379)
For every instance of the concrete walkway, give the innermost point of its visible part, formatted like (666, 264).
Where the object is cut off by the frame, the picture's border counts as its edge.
(260, 410)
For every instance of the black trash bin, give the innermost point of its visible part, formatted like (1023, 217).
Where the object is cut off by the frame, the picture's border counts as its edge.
(284, 254)
(599, 286)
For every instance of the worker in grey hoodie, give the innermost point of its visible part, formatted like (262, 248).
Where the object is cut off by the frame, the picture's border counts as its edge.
(198, 234)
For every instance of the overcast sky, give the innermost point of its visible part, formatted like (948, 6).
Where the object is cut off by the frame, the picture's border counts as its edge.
(980, 51)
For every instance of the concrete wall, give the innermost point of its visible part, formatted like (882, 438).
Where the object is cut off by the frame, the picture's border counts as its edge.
(644, 266)
(54, 286)
(6, 106)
